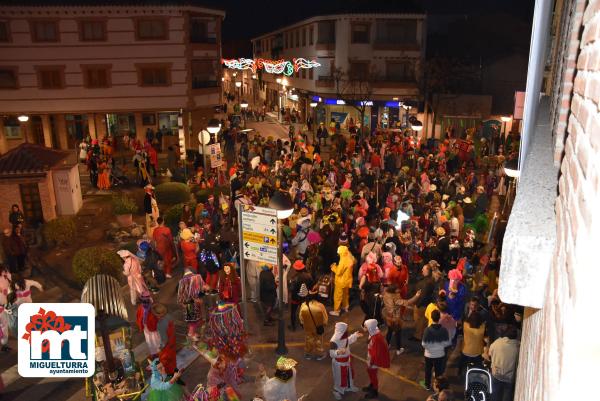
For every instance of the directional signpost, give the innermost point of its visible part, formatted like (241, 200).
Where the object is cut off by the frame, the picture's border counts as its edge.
(258, 240)
(259, 232)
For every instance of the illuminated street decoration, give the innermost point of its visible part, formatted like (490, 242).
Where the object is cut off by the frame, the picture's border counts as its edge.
(285, 67)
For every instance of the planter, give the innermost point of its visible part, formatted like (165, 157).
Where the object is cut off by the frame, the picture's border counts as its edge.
(125, 220)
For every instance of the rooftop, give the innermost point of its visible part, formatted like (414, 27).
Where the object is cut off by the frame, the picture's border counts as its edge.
(121, 3)
(29, 159)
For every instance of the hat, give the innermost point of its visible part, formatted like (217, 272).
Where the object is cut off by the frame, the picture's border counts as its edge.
(445, 197)
(343, 239)
(433, 263)
(480, 189)
(433, 188)
(339, 330)
(440, 231)
(186, 234)
(149, 186)
(144, 246)
(284, 363)
(124, 253)
(332, 219)
(159, 310)
(298, 265)
(467, 200)
(371, 326)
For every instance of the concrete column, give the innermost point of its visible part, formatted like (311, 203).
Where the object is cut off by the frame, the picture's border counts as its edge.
(91, 118)
(100, 125)
(139, 127)
(3, 144)
(47, 128)
(61, 129)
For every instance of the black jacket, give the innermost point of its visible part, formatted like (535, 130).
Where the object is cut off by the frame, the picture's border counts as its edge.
(268, 295)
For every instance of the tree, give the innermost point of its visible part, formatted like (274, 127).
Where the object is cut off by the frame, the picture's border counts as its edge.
(447, 76)
(355, 89)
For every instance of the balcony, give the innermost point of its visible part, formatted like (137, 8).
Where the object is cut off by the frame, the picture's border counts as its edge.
(325, 81)
(395, 83)
(201, 38)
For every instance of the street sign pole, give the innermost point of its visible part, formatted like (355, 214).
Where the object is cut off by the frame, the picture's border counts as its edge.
(242, 266)
(281, 347)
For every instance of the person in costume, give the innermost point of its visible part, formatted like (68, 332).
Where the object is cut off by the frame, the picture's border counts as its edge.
(456, 292)
(132, 269)
(189, 295)
(341, 363)
(221, 376)
(282, 386)
(343, 281)
(164, 387)
(313, 318)
(150, 208)
(165, 247)
(378, 356)
(4, 330)
(230, 286)
(147, 323)
(189, 249)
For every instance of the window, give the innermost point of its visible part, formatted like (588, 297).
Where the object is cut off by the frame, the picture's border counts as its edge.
(310, 73)
(32, 203)
(4, 31)
(360, 33)
(148, 119)
(44, 31)
(297, 35)
(304, 37)
(154, 75)
(303, 73)
(96, 76)
(51, 77)
(203, 30)
(402, 71)
(311, 32)
(149, 29)
(397, 32)
(326, 32)
(204, 74)
(92, 31)
(359, 69)
(12, 128)
(8, 78)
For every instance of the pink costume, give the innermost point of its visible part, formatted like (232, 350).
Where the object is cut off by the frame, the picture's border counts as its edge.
(132, 269)
(5, 279)
(388, 265)
(370, 264)
(24, 294)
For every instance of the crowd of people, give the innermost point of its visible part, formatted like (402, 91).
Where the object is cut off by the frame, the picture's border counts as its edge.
(389, 222)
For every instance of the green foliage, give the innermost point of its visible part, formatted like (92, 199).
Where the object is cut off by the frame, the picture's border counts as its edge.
(172, 193)
(173, 216)
(123, 204)
(59, 231)
(88, 262)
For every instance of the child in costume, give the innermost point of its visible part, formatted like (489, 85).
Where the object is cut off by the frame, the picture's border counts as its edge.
(147, 323)
(343, 373)
(378, 356)
(132, 269)
(282, 386)
(189, 295)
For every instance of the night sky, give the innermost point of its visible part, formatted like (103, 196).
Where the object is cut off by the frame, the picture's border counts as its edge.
(247, 19)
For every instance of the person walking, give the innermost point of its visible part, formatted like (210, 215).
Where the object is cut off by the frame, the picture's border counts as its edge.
(426, 286)
(132, 269)
(504, 355)
(393, 306)
(268, 293)
(378, 356)
(17, 250)
(313, 318)
(165, 246)
(435, 340)
(299, 281)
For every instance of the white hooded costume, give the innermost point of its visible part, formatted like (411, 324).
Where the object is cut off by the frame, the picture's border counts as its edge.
(275, 389)
(341, 363)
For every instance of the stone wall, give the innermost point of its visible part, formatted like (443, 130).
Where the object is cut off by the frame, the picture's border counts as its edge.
(560, 346)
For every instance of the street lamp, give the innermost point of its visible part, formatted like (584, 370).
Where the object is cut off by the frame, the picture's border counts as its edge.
(238, 85)
(23, 118)
(278, 80)
(417, 126)
(214, 126)
(505, 120)
(204, 138)
(281, 202)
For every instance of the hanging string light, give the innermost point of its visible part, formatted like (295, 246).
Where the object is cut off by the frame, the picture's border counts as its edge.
(284, 67)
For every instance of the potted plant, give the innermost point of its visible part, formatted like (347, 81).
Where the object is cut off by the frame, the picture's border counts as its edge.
(124, 207)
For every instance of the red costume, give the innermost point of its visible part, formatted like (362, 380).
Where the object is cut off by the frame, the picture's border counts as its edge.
(168, 355)
(151, 320)
(164, 246)
(378, 355)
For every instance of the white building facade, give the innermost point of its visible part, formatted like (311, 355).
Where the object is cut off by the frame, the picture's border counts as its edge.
(386, 51)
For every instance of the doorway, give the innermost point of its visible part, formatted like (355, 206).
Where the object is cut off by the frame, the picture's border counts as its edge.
(32, 204)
